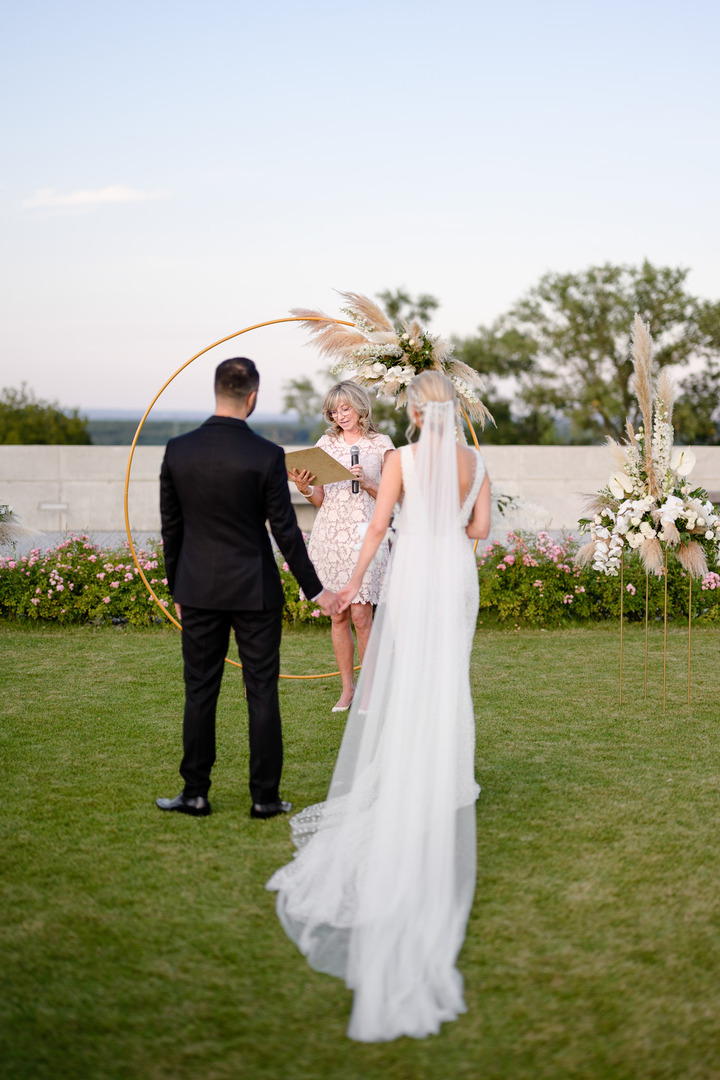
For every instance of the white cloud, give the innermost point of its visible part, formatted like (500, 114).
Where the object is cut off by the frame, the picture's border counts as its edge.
(85, 197)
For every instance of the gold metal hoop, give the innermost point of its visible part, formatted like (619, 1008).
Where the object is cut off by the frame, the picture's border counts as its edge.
(255, 326)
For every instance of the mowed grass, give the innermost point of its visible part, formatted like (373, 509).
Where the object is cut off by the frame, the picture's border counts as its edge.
(137, 945)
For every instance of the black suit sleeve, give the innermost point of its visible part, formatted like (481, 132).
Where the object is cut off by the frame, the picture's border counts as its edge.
(171, 523)
(284, 527)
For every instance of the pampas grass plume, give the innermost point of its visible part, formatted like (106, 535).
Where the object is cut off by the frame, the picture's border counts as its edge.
(692, 558)
(651, 553)
(584, 555)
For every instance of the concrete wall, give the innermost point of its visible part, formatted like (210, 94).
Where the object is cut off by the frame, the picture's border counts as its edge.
(80, 488)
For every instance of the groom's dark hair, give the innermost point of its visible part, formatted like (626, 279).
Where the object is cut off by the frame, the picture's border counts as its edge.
(236, 378)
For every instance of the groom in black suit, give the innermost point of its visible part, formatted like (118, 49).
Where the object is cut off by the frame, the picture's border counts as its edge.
(219, 484)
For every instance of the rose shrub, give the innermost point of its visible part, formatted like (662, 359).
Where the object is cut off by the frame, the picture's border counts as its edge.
(526, 579)
(77, 581)
(533, 579)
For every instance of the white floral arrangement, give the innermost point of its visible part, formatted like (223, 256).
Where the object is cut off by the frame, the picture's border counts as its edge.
(10, 528)
(649, 504)
(374, 354)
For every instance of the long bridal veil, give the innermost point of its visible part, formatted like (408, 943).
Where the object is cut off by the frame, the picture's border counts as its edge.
(382, 883)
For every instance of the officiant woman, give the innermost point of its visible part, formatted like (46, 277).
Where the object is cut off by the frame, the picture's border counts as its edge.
(336, 536)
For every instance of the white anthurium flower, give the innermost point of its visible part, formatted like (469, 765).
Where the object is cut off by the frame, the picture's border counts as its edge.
(622, 482)
(682, 461)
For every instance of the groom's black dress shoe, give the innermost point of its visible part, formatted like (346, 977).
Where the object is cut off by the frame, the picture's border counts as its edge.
(197, 805)
(270, 809)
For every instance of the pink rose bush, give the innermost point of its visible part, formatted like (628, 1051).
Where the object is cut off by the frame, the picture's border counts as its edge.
(534, 579)
(77, 581)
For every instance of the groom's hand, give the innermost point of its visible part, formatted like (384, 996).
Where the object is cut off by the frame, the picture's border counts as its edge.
(328, 602)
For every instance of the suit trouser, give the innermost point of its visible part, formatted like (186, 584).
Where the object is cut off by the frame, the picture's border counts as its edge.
(205, 637)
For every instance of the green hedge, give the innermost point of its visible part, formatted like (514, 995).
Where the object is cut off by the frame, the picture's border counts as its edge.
(81, 582)
(533, 579)
(526, 579)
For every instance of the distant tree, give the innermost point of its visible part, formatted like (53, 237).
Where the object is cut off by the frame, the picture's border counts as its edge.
(696, 417)
(26, 419)
(401, 307)
(507, 355)
(567, 343)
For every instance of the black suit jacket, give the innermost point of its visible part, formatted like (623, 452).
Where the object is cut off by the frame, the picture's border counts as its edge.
(219, 484)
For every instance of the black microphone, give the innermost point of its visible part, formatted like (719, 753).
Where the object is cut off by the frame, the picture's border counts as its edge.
(355, 460)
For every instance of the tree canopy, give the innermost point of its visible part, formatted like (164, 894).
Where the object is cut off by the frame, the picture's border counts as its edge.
(27, 419)
(566, 344)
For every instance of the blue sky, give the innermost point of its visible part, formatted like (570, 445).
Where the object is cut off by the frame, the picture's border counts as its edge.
(175, 172)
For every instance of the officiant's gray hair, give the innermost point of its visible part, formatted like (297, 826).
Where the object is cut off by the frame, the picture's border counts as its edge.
(425, 387)
(349, 393)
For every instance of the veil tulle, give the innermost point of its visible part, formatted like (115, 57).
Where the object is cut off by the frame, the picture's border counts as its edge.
(382, 883)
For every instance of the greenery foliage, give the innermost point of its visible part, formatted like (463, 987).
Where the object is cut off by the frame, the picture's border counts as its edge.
(532, 579)
(566, 343)
(78, 581)
(527, 580)
(26, 419)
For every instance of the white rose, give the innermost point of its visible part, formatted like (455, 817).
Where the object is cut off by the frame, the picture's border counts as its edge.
(635, 521)
(701, 521)
(647, 530)
(709, 535)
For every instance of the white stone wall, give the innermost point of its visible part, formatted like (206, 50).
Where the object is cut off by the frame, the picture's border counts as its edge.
(81, 488)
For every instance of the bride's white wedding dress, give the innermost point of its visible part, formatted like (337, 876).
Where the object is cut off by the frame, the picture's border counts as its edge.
(380, 889)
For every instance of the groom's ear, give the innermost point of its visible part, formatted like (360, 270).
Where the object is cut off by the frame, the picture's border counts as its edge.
(251, 401)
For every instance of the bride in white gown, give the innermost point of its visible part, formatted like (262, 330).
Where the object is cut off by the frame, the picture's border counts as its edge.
(381, 887)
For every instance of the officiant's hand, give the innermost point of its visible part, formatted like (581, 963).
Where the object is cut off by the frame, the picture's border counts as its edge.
(178, 612)
(302, 479)
(346, 595)
(327, 602)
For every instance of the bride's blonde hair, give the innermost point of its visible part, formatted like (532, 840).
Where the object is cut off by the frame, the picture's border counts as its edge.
(425, 387)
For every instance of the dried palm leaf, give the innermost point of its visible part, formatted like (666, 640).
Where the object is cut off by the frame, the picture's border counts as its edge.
(584, 555)
(651, 553)
(692, 558)
(595, 504)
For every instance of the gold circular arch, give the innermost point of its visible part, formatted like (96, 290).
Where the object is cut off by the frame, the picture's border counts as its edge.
(221, 341)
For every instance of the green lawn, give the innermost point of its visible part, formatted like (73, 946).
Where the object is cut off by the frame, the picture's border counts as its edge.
(136, 945)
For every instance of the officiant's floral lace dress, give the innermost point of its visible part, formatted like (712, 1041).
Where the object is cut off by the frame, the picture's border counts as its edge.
(334, 540)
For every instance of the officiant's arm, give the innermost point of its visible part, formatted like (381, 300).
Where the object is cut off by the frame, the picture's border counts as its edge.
(302, 479)
(388, 494)
(479, 524)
